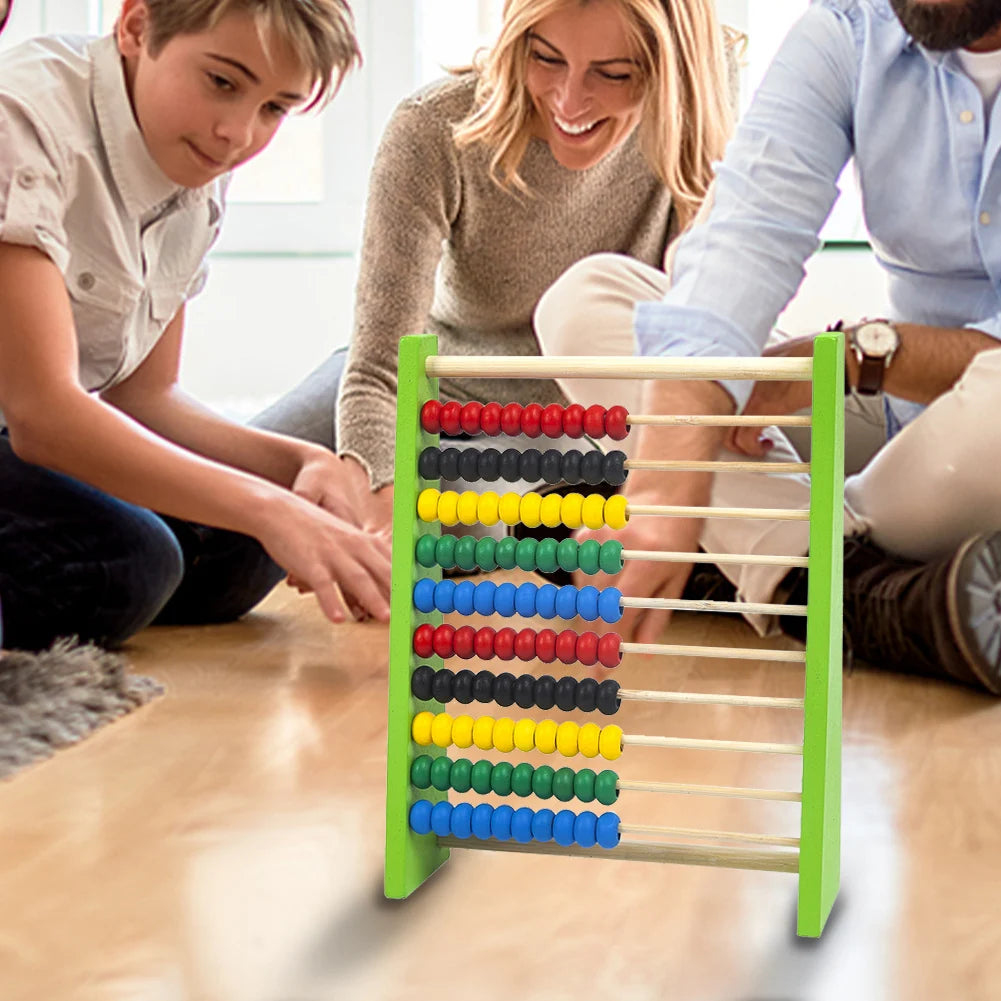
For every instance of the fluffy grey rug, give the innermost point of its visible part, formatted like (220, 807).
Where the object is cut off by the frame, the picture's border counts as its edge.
(55, 698)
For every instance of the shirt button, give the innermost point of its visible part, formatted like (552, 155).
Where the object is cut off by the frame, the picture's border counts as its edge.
(86, 280)
(27, 178)
(985, 218)
(966, 117)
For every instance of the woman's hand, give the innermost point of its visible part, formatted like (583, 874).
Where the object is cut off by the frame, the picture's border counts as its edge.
(341, 486)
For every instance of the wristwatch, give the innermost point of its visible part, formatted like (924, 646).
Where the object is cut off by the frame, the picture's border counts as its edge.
(874, 343)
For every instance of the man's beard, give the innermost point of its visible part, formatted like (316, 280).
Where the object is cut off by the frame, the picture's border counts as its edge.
(943, 25)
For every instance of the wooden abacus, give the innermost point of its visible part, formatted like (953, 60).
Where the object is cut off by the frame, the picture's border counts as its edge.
(421, 824)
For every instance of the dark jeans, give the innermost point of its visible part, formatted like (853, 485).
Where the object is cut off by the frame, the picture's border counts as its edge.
(75, 561)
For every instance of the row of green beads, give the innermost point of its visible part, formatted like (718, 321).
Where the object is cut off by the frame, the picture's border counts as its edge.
(523, 779)
(546, 555)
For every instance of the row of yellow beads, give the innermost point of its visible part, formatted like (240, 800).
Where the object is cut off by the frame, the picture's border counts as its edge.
(531, 509)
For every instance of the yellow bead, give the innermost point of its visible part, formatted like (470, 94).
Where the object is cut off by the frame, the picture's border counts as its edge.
(615, 512)
(610, 742)
(566, 739)
(550, 513)
(448, 508)
(509, 508)
(504, 734)
(427, 504)
(420, 729)
(483, 732)
(531, 506)
(441, 730)
(570, 510)
(592, 512)
(462, 731)
(524, 735)
(545, 736)
(588, 740)
(488, 510)
(466, 509)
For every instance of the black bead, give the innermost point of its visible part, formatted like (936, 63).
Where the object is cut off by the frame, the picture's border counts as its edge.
(489, 464)
(592, 467)
(545, 691)
(615, 468)
(469, 464)
(531, 463)
(586, 695)
(462, 687)
(427, 463)
(571, 465)
(566, 690)
(551, 466)
(510, 465)
(420, 682)
(524, 691)
(504, 689)
(441, 685)
(483, 686)
(449, 464)
(608, 697)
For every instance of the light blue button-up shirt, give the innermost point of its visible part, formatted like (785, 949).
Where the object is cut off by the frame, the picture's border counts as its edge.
(847, 80)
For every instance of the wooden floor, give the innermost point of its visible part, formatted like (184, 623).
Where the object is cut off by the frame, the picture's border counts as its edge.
(225, 844)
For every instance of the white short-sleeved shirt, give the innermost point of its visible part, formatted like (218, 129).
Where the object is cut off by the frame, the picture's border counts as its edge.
(78, 182)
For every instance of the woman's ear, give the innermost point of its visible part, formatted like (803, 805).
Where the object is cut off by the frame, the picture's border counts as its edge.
(132, 28)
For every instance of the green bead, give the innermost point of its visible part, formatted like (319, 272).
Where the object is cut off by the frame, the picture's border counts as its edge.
(521, 779)
(566, 554)
(444, 551)
(542, 781)
(545, 556)
(441, 772)
(583, 785)
(525, 553)
(504, 554)
(563, 785)
(500, 778)
(479, 776)
(462, 771)
(425, 551)
(605, 791)
(420, 772)
(588, 556)
(465, 552)
(485, 558)
(611, 557)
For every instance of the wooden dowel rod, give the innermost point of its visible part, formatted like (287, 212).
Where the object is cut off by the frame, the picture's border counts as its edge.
(728, 792)
(658, 556)
(770, 860)
(719, 420)
(706, 605)
(694, 832)
(750, 513)
(715, 466)
(709, 699)
(693, 744)
(727, 653)
(599, 367)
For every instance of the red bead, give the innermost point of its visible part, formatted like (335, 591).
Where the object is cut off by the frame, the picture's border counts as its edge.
(524, 645)
(615, 423)
(431, 417)
(551, 421)
(531, 420)
(566, 646)
(450, 418)
(469, 417)
(465, 637)
(511, 419)
(587, 648)
(504, 643)
(483, 643)
(573, 421)
(594, 422)
(545, 646)
(608, 650)
(423, 640)
(443, 640)
(490, 419)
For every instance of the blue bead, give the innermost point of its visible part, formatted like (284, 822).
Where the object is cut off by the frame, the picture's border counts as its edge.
(500, 822)
(566, 602)
(524, 601)
(545, 601)
(420, 817)
(504, 599)
(585, 829)
(542, 825)
(608, 830)
(481, 821)
(521, 824)
(424, 594)
(563, 828)
(444, 596)
(610, 605)
(483, 597)
(587, 603)
(464, 592)
(461, 823)
(441, 814)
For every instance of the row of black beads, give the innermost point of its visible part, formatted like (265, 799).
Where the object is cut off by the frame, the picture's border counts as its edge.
(566, 693)
(511, 465)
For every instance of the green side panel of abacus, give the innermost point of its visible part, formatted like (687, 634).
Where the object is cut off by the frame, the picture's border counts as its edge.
(410, 858)
(820, 828)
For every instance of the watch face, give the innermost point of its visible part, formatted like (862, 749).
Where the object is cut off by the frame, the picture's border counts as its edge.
(877, 339)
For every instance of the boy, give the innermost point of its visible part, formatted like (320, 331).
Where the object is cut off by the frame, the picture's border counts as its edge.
(114, 157)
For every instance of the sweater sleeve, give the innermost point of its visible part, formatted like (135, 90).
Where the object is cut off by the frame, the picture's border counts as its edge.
(413, 200)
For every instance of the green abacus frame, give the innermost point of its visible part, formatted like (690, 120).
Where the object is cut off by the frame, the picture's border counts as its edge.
(412, 858)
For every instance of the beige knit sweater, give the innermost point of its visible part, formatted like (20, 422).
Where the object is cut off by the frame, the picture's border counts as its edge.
(447, 252)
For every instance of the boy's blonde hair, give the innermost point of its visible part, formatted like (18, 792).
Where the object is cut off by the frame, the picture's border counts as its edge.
(321, 33)
(687, 112)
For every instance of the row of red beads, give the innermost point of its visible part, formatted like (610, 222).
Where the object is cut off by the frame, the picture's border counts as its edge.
(532, 420)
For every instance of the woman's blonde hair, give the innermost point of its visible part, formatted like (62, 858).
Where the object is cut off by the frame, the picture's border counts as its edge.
(687, 113)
